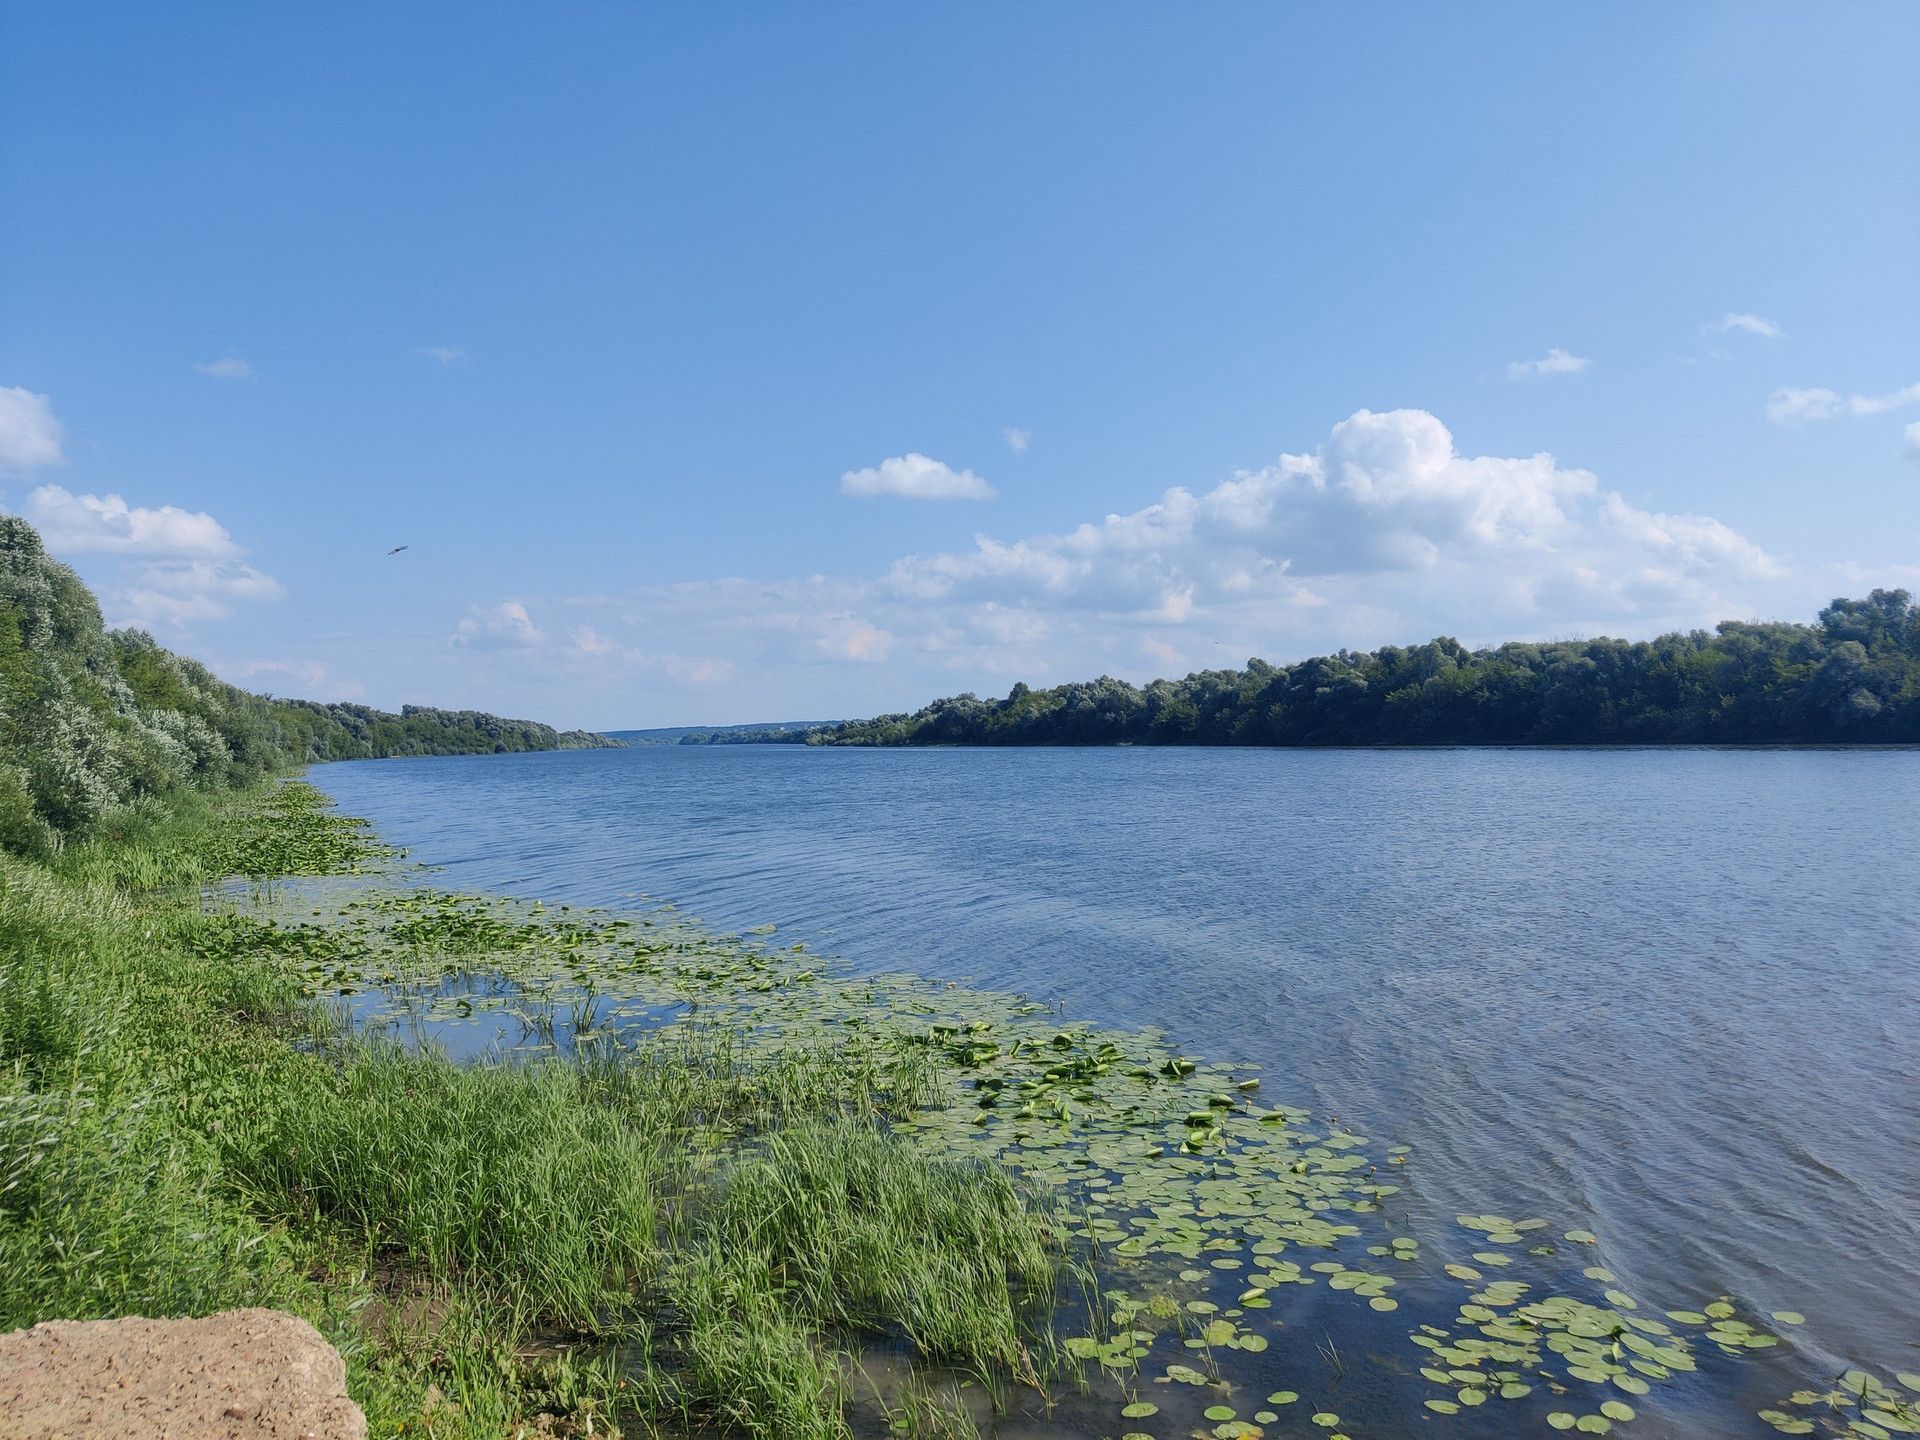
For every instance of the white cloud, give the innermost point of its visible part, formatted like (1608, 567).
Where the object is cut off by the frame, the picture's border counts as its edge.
(588, 641)
(164, 567)
(211, 577)
(506, 626)
(107, 525)
(444, 355)
(848, 637)
(29, 435)
(588, 644)
(1753, 324)
(1383, 533)
(1018, 437)
(691, 669)
(1386, 505)
(314, 679)
(1555, 362)
(177, 594)
(914, 476)
(1879, 404)
(1787, 404)
(227, 367)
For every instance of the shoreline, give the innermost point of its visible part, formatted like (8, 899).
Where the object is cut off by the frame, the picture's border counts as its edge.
(1136, 1228)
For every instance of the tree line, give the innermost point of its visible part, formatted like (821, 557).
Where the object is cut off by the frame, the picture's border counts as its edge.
(1852, 677)
(95, 721)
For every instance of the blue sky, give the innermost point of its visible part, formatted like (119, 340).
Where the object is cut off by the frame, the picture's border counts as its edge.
(740, 362)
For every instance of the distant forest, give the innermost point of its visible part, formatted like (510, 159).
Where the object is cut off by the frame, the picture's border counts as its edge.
(1851, 678)
(95, 721)
(716, 734)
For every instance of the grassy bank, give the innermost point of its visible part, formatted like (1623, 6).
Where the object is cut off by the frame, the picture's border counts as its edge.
(544, 1171)
(672, 1237)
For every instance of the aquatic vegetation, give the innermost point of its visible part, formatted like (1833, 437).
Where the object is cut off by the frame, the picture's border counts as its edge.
(712, 1180)
(1200, 1205)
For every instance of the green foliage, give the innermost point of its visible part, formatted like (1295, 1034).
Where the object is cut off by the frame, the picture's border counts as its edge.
(870, 1234)
(516, 1176)
(93, 722)
(1852, 678)
(184, 1128)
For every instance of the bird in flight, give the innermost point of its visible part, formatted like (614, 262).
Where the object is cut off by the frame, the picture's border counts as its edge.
(396, 550)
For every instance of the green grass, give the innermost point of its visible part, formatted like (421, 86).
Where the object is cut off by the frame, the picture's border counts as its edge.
(679, 1235)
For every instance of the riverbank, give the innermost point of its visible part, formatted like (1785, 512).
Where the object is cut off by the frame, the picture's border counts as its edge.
(667, 1239)
(693, 1183)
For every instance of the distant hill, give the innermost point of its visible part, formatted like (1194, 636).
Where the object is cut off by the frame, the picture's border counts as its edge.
(717, 734)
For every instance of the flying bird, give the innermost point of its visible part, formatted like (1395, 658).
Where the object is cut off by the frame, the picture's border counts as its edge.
(396, 550)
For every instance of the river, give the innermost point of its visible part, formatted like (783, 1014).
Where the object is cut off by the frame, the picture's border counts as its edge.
(1668, 996)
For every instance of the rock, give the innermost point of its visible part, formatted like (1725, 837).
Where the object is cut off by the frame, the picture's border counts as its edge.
(241, 1375)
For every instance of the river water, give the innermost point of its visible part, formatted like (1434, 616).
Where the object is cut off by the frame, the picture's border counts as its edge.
(1668, 996)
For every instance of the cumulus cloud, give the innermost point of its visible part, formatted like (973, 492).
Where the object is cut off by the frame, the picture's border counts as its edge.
(1740, 320)
(1555, 362)
(176, 595)
(159, 567)
(1017, 437)
(1386, 504)
(29, 434)
(107, 525)
(1384, 532)
(914, 476)
(1788, 405)
(227, 367)
(506, 626)
(444, 355)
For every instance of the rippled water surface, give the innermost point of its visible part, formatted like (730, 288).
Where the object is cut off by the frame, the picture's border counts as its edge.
(1672, 997)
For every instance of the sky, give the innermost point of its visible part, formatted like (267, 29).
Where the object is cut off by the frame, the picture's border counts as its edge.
(752, 362)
